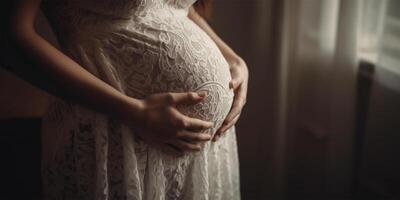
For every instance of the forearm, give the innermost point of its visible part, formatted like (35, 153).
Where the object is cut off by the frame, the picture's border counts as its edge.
(83, 87)
(227, 52)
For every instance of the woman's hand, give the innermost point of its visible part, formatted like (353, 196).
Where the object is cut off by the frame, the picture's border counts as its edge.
(239, 83)
(159, 122)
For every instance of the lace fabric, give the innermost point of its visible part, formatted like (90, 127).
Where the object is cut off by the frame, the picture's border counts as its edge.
(139, 47)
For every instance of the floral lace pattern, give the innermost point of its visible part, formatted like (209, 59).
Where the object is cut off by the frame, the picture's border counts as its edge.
(139, 47)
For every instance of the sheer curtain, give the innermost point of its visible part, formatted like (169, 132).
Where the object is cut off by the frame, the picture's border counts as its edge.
(322, 43)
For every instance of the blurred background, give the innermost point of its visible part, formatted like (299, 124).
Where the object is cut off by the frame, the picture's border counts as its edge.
(322, 120)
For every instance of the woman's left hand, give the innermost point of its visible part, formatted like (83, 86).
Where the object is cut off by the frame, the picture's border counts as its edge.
(239, 83)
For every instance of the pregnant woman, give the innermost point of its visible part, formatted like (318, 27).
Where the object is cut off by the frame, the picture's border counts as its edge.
(154, 96)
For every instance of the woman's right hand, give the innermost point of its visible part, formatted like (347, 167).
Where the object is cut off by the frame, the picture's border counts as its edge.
(156, 118)
(160, 122)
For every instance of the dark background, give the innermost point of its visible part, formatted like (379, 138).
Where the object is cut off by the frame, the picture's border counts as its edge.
(376, 172)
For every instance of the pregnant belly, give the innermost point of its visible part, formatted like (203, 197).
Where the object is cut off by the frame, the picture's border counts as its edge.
(175, 57)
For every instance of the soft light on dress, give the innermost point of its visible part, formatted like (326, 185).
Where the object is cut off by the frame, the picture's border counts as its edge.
(139, 47)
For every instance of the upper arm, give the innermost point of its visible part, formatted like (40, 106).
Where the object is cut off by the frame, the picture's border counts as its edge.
(23, 16)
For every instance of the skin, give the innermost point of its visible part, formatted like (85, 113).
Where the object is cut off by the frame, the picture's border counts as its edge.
(156, 118)
(239, 73)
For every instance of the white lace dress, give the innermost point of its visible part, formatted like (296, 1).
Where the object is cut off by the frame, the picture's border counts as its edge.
(139, 47)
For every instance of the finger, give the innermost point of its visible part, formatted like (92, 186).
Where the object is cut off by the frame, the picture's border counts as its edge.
(196, 125)
(227, 126)
(235, 111)
(221, 131)
(185, 97)
(238, 103)
(194, 137)
(188, 123)
(185, 146)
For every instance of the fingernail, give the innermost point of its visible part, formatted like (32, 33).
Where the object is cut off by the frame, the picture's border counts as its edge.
(202, 93)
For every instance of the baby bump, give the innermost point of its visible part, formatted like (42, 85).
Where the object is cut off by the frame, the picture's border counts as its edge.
(174, 61)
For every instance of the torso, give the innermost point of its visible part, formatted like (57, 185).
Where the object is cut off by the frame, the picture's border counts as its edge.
(144, 47)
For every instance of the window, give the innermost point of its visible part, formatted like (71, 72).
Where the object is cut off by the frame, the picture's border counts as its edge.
(372, 22)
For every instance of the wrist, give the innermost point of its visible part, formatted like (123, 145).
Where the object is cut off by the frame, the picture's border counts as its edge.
(131, 109)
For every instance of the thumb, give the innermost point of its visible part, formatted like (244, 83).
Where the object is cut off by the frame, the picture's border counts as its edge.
(187, 97)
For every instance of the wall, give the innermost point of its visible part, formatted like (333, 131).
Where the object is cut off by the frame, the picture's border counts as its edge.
(19, 98)
(380, 164)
